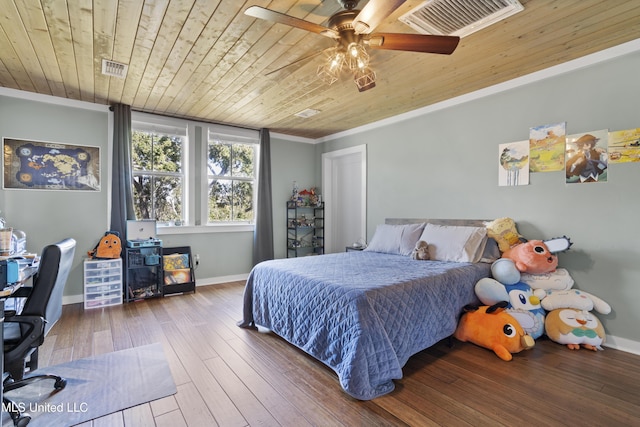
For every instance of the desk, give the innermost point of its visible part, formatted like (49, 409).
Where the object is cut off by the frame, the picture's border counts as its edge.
(25, 273)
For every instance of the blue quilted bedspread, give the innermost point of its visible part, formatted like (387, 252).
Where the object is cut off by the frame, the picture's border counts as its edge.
(361, 313)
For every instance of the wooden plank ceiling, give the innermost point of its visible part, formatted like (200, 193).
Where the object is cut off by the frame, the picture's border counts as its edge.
(206, 60)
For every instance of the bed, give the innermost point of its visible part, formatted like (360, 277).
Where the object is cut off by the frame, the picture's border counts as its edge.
(364, 313)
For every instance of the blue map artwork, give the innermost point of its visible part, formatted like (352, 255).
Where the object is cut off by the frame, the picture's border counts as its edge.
(52, 167)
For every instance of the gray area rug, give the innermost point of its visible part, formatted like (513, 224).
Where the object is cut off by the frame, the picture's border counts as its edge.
(96, 386)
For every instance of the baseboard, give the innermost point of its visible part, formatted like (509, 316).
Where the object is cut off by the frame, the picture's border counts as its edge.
(79, 299)
(622, 344)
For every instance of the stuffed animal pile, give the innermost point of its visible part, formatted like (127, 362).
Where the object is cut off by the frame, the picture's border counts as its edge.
(538, 294)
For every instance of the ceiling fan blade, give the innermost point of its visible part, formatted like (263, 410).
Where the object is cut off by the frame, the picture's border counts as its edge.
(414, 42)
(373, 14)
(281, 18)
(297, 61)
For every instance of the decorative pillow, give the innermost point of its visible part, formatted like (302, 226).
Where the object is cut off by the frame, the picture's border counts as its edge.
(395, 239)
(410, 236)
(455, 243)
(491, 252)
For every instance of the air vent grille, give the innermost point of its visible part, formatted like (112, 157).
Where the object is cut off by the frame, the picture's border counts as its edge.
(305, 114)
(458, 17)
(114, 69)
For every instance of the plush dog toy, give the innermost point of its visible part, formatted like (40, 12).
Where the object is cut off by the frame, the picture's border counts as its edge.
(491, 327)
(532, 257)
(421, 251)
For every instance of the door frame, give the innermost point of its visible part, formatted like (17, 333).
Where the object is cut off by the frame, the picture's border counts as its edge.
(328, 161)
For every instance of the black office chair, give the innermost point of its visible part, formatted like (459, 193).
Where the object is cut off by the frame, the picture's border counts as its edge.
(25, 332)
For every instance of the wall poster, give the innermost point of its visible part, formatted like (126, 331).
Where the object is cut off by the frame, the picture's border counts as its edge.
(50, 166)
(587, 159)
(624, 146)
(546, 145)
(514, 163)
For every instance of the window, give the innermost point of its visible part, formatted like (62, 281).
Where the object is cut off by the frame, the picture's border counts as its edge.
(194, 174)
(231, 177)
(158, 172)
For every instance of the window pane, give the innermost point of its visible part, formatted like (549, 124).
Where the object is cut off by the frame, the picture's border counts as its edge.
(158, 198)
(168, 198)
(219, 159)
(242, 157)
(167, 154)
(153, 152)
(242, 201)
(142, 150)
(230, 200)
(220, 199)
(142, 197)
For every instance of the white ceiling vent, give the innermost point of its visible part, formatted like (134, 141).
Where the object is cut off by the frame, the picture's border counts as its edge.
(458, 17)
(305, 114)
(114, 69)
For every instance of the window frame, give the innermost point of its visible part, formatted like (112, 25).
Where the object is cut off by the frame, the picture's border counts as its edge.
(195, 173)
(231, 136)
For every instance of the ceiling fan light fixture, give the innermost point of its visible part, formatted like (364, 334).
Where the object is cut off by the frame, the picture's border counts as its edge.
(357, 56)
(329, 71)
(364, 79)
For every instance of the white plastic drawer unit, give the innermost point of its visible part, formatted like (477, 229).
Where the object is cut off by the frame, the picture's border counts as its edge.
(102, 282)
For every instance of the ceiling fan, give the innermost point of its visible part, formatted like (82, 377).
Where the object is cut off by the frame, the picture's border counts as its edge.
(352, 30)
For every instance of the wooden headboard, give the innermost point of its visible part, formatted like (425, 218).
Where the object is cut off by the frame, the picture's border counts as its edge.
(462, 222)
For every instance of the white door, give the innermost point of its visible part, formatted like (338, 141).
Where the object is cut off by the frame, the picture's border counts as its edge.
(344, 184)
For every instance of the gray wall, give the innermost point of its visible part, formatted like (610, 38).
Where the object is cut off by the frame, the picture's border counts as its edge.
(49, 216)
(446, 164)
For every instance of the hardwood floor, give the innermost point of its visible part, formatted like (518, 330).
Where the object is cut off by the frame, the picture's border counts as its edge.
(229, 376)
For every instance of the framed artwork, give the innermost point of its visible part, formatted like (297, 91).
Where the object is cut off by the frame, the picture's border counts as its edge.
(587, 157)
(43, 165)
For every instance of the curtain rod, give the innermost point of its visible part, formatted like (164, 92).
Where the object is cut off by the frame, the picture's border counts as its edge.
(192, 119)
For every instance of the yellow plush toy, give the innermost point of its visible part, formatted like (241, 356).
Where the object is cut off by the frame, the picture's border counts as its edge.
(504, 232)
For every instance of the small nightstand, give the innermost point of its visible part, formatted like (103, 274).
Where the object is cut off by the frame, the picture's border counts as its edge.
(353, 248)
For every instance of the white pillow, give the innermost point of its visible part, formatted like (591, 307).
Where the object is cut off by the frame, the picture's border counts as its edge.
(455, 243)
(410, 235)
(395, 239)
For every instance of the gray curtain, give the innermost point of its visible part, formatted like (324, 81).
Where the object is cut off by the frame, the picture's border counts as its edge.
(263, 234)
(121, 188)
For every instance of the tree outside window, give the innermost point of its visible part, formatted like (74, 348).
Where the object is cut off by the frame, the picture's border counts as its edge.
(231, 180)
(158, 175)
